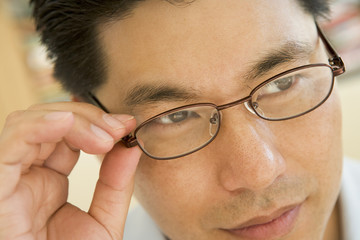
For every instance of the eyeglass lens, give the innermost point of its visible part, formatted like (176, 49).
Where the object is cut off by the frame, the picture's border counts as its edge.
(188, 129)
(179, 132)
(294, 93)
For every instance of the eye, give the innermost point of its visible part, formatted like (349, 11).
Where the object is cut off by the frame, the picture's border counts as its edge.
(177, 117)
(284, 83)
(279, 85)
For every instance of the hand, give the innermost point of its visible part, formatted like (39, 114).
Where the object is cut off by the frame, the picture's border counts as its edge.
(38, 149)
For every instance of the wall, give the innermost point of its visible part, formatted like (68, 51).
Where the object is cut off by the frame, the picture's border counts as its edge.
(16, 89)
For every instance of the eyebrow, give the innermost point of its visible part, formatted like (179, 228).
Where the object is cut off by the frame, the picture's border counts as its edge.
(288, 52)
(146, 94)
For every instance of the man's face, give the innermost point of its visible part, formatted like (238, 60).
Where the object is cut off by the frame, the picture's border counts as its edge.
(255, 170)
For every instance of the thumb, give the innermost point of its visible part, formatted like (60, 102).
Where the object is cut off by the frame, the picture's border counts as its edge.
(114, 189)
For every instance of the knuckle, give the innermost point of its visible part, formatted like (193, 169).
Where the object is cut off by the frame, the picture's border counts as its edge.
(17, 124)
(19, 129)
(14, 117)
(34, 107)
(43, 106)
(12, 129)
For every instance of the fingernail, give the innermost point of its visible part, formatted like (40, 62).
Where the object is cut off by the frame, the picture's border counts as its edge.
(57, 116)
(113, 122)
(123, 117)
(101, 133)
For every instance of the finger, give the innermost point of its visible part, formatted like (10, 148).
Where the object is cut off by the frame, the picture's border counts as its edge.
(49, 193)
(112, 124)
(15, 150)
(45, 149)
(62, 159)
(95, 139)
(114, 189)
(27, 134)
(37, 126)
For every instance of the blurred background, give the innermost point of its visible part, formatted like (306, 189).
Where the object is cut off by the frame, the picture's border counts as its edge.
(26, 79)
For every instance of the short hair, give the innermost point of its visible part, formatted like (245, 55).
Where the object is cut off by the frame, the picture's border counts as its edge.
(68, 29)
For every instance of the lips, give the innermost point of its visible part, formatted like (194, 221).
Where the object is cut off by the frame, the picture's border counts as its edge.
(277, 224)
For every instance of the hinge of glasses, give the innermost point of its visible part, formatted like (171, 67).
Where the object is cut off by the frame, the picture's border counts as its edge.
(337, 65)
(129, 141)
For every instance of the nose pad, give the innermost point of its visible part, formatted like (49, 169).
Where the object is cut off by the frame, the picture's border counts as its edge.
(248, 107)
(255, 106)
(214, 123)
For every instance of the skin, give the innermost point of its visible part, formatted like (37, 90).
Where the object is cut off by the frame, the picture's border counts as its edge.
(254, 167)
(39, 147)
(251, 169)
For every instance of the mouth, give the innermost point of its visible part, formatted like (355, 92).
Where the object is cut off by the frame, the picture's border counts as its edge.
(277, 224)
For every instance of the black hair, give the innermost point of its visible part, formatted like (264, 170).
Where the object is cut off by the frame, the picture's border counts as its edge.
(68, 28)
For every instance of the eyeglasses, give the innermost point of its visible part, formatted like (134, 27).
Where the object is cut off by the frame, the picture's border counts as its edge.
(187, 129)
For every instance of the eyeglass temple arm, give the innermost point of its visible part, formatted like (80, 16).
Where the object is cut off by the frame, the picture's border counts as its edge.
(335, 60)
(129, 141)
(96, 102)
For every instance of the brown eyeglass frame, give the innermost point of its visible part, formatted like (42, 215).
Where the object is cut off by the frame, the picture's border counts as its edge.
(336, 65)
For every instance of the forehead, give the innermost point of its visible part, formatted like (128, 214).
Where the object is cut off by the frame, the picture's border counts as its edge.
(197, 46)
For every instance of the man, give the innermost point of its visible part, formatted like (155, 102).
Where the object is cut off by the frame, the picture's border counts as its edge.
(262, 70)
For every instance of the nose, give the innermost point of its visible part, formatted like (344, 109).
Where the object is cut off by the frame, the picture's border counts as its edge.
(248, 157)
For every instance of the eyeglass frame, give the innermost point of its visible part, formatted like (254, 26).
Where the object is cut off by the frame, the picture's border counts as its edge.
(336, 64)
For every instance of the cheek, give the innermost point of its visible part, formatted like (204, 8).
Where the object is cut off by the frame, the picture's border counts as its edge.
(313, 145)
(170, 190)
(317, 139)
(325, 143)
